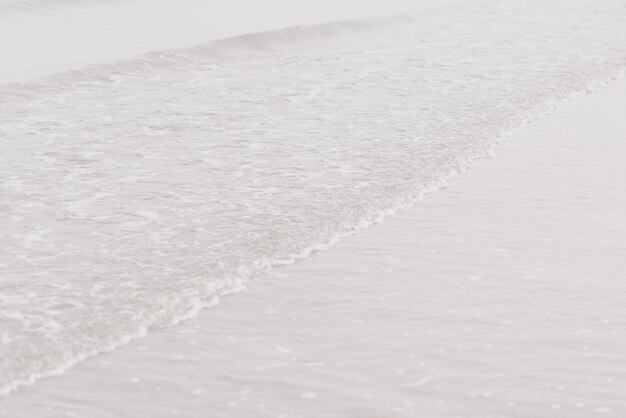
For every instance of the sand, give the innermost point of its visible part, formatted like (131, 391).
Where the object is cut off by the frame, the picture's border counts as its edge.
(500, 296)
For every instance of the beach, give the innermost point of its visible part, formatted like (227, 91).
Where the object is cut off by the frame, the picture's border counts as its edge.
(396, 215)
(500, 295)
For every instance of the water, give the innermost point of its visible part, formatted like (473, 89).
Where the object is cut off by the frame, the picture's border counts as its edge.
(135, 193)
(500, 296)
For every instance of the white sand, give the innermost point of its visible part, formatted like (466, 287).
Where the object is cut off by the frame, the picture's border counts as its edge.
(502, 296)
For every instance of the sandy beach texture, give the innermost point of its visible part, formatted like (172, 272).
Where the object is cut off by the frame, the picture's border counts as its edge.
(500, 296)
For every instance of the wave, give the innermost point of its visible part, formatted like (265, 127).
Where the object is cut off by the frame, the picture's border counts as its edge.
(143, 191)
(300, 39)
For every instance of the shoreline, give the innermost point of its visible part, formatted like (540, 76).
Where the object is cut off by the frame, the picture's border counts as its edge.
(137, 368)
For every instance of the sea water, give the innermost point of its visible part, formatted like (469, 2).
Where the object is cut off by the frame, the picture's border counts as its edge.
(137, 192)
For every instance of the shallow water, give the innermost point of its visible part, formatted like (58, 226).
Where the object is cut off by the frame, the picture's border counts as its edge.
(500, 296)
(135, 193)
